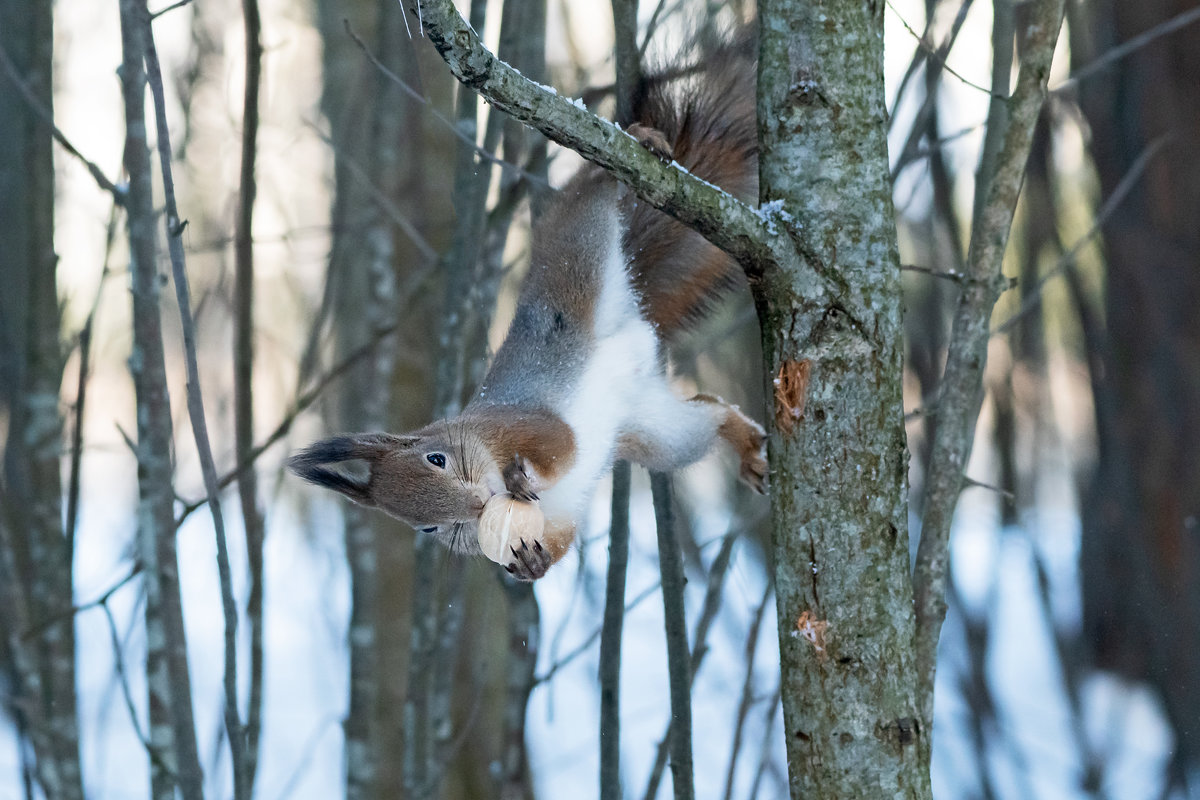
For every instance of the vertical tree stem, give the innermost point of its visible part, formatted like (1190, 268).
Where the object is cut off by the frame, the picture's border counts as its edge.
(670, 561)
(31, 371)
(708, 612)
(243, 377)
(628, 58)
(610, 636)
(172, 733)
(961, 392)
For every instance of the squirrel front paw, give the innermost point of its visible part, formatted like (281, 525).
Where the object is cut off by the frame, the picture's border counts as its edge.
(517, 481)
(653, 140)
(528, 562)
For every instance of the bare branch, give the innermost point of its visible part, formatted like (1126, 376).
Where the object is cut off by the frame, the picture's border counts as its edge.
(1067, 260)
(747, 689)
(172, 729)
(1178, 22)
(586, 644)
(765, 755)
(302, 402)
(483, 152)
(382, 200)
(176, 5)
(727, 222)
(195, 405)
(960, 395)
(10, 70)
(940, 54)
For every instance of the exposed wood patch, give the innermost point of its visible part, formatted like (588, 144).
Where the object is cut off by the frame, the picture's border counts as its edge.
(791, 393)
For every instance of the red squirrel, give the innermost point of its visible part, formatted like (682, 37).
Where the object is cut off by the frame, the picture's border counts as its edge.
(580, 379)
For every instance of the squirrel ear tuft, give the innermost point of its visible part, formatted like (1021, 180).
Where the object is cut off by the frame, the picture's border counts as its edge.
(312, 462)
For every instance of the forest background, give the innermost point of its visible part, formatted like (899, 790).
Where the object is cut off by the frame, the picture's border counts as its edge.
(386, 226)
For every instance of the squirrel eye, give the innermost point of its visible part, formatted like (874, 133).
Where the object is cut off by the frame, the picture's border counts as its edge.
(431, 529)
(437, 459)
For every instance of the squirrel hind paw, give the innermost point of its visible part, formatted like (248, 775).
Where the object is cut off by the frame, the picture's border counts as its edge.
(754, 472)
(653, 140)
(754, 468)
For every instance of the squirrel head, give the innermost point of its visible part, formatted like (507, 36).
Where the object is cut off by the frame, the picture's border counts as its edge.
(436, 479)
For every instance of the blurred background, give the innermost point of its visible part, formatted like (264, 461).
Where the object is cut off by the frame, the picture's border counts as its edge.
(389, 233)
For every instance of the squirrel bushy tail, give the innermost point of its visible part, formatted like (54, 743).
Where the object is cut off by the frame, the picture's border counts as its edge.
(707, 115)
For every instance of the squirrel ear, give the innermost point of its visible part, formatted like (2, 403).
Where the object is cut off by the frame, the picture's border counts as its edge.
(311, 462)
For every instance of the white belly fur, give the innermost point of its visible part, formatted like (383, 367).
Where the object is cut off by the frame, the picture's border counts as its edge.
(622, 365)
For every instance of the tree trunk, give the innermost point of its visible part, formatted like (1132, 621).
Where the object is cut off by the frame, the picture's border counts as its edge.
(172, 735)
(37, 566)
(832, 345)
(392, 181)
(1142, 512)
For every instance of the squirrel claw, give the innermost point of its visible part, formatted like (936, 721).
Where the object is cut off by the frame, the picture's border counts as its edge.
(529, 563)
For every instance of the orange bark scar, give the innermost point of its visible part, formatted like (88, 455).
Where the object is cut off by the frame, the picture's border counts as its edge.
(813, 630)
(791, 393)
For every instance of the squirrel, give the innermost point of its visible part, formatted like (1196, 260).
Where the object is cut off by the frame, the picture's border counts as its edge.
(580, 379)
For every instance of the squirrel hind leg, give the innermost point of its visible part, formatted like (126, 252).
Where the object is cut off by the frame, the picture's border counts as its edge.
(673, 433)
(746, 437)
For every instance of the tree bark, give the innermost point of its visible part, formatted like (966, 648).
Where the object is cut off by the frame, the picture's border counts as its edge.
(172, 734)
(243, 377)
(36, 570)
(853, 720)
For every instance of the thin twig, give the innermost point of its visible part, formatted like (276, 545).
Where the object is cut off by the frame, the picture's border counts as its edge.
(1108, 59)
(75, 475)
(180, 4)
(172, 726)
(195, 405)
(301, 404)
(765, 755)
(482, 152)
(384, 202)
(949, 274)
(47, 119)
(747, 689)
(99, 601)
(583, 646)
(1067, 260)
(127, 694)
(940, 57)
(73, 480)
(910, 151)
